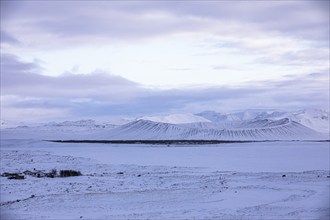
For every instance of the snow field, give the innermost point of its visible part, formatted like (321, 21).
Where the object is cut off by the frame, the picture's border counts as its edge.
(147, 189)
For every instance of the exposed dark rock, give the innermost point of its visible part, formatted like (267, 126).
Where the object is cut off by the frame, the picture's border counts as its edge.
(67, 173)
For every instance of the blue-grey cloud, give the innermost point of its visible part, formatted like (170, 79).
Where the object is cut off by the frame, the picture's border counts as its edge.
(237, 25)
(61, 24)
(100, 94)
(298, 58)
(131, 20)
(25, 79)
(8, 39)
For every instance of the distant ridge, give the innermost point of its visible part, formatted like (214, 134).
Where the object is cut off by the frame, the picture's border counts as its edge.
(249, 125)
(283, 129)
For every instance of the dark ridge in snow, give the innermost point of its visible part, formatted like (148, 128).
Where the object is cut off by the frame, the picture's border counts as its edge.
(162, 142)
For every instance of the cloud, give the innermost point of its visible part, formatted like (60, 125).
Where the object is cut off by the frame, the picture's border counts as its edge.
(296, 92)
(25, 79)
(62, 20)
(25, 91)
(103, 21)
(304, 57)
(8, 39)
(280, 34)
(276, 36)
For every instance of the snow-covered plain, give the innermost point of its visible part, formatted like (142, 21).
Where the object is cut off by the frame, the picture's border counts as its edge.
(288, 179)
(228, 181)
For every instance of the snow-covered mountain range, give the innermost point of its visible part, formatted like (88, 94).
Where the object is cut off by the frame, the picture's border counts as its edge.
(315, 119)
(176, 118)
(308, 124)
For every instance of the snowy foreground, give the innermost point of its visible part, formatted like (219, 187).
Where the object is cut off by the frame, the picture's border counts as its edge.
(277, 180)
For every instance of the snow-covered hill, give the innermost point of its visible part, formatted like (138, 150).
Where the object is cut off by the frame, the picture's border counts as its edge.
(86, 124)
(315, 119)
(309, 124)
(283, 129)
(229, 117)
(176, 118)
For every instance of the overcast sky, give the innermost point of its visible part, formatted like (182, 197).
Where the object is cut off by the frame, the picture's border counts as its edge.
(100, 59)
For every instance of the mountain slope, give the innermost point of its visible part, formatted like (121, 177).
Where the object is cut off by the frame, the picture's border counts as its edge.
(176, 118)
(315, 119)
(284, 129)
(244, 125)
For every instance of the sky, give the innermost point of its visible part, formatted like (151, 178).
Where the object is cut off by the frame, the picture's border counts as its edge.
(63, 60)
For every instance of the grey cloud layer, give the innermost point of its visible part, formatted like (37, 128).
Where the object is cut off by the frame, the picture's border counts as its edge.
(100, 94)
(238, 25)
(8, 39)
(25, 79)
(127, 20)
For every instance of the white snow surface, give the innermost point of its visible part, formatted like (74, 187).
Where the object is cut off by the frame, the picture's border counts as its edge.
(279, 180)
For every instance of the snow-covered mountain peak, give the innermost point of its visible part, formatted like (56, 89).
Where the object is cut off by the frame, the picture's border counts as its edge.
(315, 119)
(80, 123)
(176, 118)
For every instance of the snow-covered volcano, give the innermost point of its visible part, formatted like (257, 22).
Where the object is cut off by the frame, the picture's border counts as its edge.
(283, 129)
(309, 124)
